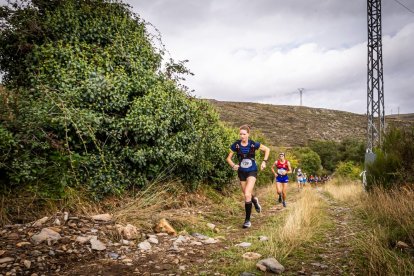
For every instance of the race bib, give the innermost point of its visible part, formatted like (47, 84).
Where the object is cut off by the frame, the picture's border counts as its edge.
(246, 163)
(281, 171)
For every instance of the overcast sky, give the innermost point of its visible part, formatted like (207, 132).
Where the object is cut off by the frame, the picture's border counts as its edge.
(264, 50)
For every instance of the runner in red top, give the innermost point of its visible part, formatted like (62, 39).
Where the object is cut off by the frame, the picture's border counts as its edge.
(283, 168)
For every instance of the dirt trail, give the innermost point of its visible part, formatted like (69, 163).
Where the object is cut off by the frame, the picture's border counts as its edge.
(334, 254)
(184, 254)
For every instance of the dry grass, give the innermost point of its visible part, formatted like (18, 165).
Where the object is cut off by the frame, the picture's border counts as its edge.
(387, 217)
(28, 206)
(298, 227)
(345, 191)
(171, 201)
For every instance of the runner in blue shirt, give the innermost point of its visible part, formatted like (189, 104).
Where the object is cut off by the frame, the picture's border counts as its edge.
(247, 168)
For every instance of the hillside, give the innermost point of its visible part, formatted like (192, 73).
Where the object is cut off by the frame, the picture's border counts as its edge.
(297, 125)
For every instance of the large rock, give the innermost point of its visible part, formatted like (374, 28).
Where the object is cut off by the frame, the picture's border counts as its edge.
(46, 235)
(165, 226)
(40, 222)
(97, 244)
(102, 217)
(270, 265)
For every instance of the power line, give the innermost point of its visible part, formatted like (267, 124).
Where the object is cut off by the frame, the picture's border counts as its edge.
(407, 8)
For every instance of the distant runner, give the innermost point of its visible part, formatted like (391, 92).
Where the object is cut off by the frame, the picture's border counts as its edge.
(247, 168)
(283, 168)
(299, 178)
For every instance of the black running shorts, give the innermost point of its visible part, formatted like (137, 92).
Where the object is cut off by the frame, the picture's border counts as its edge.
(244, 175)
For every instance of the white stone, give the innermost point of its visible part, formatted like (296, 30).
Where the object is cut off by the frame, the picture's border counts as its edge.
(57, 222)
(97, 244)
(180, 239)
(65, 216)
(145, 245)
(40, 222)
(102, 217)
(27, 264)
(244, 244)
(153, 240)
(263, 238)
(211, 226)
(210, 241)
(46, 235)
(83, 240)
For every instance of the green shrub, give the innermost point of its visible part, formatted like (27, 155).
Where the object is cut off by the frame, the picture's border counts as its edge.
(393, 165)
(309, 161)
(349, 170)
(93, 107)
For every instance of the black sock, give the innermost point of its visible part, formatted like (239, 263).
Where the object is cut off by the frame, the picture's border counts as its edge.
(253, 199)
(248, 208)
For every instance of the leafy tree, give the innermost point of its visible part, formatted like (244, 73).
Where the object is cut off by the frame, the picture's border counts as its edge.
(92, 106)
(328, 151)
(331, 152)
(349, 170)
(309, 161)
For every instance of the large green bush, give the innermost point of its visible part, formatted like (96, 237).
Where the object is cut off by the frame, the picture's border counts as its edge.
(393, 165)
(92, 105)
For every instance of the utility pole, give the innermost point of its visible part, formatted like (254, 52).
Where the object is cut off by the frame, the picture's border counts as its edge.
(301, 93)
(375, 84)
(375, 97)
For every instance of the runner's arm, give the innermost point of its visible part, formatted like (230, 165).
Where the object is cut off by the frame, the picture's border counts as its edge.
(266, 157)
(230, 161)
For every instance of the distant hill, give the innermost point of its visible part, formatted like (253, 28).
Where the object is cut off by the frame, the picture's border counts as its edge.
(290, 126)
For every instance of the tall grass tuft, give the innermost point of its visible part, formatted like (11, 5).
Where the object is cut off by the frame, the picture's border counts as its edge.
(299, 226)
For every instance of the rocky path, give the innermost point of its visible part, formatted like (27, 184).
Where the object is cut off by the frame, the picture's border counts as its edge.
(76, 245)
(334, 254)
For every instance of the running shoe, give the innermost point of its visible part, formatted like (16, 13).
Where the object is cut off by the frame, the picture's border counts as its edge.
(280, 198)
(247, 224)
(256, 204)
(284, 203)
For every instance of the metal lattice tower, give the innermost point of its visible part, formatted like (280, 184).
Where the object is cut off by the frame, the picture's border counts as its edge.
(375, 100)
